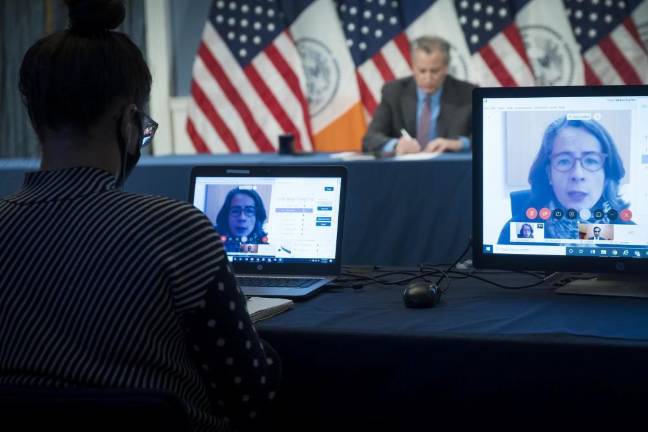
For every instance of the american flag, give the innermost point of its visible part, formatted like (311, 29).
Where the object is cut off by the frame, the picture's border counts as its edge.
(611, 46)
(497, 49)
(248, 85)
(378, 44)
(249, 82)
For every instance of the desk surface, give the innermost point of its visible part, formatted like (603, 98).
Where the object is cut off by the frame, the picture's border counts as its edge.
(360, 354)
(473, 308)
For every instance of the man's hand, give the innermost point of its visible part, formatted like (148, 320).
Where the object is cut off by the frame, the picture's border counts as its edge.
(443, 145)
(407, 145)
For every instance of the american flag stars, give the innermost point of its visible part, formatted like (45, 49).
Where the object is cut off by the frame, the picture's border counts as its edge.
(481, 21)
(247, 28)
(368, 25)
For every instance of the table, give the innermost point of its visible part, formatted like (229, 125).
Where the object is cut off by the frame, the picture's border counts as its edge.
(397, 213)
(485, 355)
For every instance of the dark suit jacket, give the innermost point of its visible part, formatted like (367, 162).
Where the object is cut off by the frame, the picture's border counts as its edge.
(397, 110)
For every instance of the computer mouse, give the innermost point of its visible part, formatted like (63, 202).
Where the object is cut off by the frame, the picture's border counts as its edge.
(421, 294)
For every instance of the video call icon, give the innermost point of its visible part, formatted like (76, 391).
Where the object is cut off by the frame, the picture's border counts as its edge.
(626, 215)
(598, 214)
(531, 213)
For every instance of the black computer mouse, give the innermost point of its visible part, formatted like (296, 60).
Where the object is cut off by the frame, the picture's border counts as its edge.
(421, 294)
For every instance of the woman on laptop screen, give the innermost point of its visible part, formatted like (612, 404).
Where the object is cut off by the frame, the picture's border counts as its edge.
(576, 176)
(241, 220)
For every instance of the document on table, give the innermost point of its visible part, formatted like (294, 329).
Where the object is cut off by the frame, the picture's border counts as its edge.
(417, 156)
(352, 156)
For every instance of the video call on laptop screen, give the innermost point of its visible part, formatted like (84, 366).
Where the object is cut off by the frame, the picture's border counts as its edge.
(565, 176)
(271, 219)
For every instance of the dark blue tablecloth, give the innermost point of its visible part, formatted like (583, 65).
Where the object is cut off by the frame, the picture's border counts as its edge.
(485, 355)
(398, 212)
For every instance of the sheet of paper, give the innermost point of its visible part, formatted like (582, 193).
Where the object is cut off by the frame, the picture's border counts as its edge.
(417, 156)
(352, 156)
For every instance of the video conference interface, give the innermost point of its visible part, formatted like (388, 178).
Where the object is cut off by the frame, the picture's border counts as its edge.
(565, 176)
(273, 220)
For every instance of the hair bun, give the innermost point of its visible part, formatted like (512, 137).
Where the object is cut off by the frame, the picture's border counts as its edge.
(95, 16)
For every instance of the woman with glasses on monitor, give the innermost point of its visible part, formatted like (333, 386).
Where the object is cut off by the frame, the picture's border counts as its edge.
(241, 219)
(104, 288)
(526, 231)
(577, 171)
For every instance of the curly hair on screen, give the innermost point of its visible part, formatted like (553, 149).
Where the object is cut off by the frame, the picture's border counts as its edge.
(222, 223)
(614, 170)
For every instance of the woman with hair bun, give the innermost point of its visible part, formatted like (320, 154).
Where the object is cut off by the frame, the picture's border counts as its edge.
(104, 288)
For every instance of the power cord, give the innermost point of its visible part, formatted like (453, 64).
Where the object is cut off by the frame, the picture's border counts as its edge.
(454, 271)
(357, 281)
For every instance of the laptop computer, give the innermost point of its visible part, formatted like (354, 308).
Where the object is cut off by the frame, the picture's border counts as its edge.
(281, 224)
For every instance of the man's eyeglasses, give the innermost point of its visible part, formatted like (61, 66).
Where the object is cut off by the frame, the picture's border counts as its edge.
(249, 211)
(149, 126)
(590, 161)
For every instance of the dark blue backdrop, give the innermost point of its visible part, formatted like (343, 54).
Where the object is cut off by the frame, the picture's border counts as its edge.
(397, 213)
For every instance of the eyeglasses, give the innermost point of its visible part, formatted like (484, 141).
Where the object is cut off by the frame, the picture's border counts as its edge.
(590, 161)
(249, 211)
(149, 126)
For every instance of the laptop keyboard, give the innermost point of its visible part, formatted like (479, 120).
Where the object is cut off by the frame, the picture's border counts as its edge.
(276, 282)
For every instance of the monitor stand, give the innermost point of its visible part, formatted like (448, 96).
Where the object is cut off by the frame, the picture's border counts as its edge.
(608, 285)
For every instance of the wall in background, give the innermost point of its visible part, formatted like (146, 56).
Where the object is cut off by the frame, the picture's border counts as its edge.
(22, 24)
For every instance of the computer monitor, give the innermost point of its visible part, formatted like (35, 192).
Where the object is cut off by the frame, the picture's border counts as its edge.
(559, 176)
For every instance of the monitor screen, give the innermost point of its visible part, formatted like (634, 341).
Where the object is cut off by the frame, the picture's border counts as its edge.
(560, 177)
(273, 219)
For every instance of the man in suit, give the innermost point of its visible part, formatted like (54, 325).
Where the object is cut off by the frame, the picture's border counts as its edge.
(597, 234)
(434, 108)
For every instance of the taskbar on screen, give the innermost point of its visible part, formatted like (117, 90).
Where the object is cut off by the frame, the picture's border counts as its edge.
(613, 251)
(272, 259)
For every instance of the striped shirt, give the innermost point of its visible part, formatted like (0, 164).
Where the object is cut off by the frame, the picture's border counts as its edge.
(103, 288)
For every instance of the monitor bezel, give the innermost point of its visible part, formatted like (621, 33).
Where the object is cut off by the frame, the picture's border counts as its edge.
(315, 269)
(548, 263)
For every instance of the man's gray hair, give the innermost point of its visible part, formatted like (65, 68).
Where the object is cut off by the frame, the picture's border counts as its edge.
(429, 44)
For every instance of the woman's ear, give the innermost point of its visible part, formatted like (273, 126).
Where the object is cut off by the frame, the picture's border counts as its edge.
(129, 128)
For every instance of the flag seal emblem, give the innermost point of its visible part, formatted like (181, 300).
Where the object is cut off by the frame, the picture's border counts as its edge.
(552, 60)
(322, 73)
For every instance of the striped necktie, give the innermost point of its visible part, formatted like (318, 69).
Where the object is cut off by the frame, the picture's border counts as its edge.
(423, 129)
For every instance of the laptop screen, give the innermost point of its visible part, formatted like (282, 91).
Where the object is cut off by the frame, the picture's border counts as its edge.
(289, 220)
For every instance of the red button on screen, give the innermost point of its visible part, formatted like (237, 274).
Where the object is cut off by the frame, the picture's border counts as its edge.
(625, 215)
(545, 213)
(531, 213)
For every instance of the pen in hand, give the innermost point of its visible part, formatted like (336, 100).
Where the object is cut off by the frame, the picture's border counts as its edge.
(407, 144)
(404, 134)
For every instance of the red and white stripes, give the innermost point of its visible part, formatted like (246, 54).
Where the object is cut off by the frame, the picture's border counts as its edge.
(236, 109)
